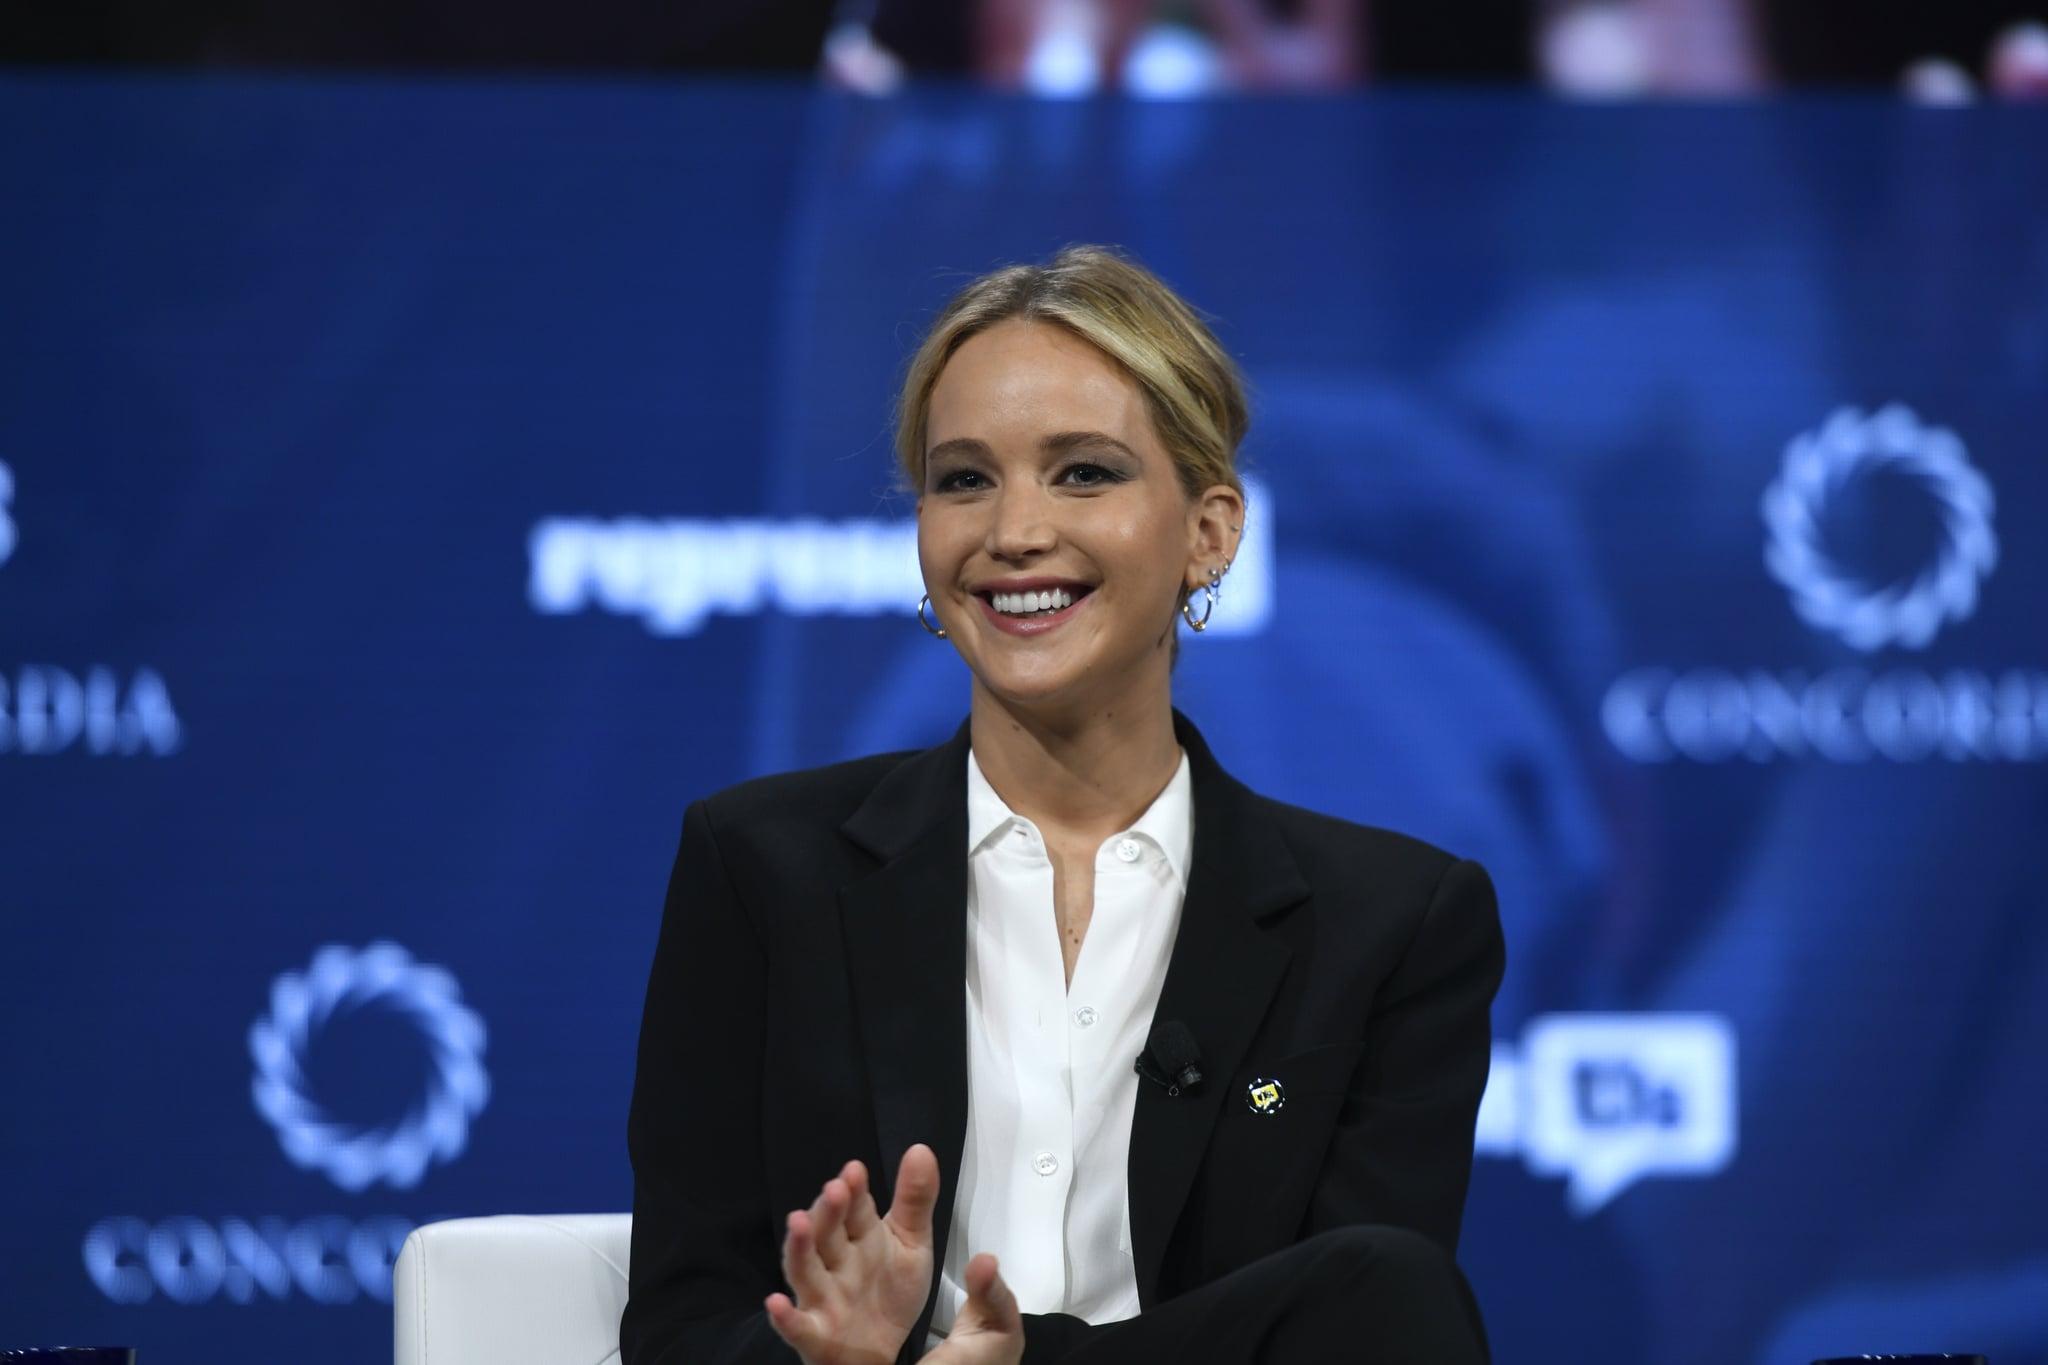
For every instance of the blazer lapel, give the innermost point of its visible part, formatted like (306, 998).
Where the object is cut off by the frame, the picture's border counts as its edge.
(1219, 981)
(905, 929)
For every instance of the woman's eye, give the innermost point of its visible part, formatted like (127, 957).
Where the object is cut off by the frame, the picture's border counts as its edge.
(960, 481)
(1089, 475)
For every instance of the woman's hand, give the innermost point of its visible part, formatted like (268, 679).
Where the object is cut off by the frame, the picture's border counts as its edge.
(989, 1330)
(861, 1280)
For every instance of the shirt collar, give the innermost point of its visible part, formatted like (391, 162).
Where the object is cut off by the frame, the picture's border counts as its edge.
(1168, 823)
(987, 815)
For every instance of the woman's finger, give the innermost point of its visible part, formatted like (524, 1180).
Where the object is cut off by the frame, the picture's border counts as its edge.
(828, 1223)
(917, 1192)
(801, 1267)
(861, 1215)
(791, 1323)
(990, 1298)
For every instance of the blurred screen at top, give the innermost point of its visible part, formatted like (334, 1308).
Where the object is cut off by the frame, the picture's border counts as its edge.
(1939, 51)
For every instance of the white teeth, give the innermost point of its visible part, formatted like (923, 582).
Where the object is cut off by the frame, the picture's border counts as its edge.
(1028, 603)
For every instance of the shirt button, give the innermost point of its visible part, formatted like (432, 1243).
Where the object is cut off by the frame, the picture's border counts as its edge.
(1085, 1016)
(1128, 850)
(1045, 1163)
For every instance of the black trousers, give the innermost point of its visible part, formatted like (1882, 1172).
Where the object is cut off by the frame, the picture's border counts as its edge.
(1358, 1295)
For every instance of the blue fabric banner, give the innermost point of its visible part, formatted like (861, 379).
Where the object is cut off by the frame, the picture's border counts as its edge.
(412, 495)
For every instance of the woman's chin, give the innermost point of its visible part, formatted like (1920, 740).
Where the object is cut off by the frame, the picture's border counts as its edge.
(1034, 687)
(1058, 685)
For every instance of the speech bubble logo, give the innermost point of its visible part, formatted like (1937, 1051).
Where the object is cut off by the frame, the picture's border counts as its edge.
(1498, 1129)
(1610, 1098)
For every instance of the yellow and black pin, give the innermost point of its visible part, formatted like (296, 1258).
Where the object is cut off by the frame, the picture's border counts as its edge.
(1264, 1096)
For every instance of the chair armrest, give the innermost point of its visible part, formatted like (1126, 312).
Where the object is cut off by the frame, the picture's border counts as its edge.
(512, 1290)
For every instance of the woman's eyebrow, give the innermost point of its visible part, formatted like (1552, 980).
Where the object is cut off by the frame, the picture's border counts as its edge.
(960, 447)
(1061, 442)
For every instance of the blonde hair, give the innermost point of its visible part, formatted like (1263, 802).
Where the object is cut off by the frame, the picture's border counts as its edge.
(1192, 387)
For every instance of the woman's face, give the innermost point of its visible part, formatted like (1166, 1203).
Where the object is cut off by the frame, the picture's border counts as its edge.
(1052, 529)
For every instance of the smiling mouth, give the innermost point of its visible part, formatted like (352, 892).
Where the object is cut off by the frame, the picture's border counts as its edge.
(1026, 605)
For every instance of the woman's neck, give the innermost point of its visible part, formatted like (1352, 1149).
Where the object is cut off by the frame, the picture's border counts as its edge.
(1089, 773)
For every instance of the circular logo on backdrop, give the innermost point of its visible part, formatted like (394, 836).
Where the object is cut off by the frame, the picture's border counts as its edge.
(6, 522)
(1818, 465)
(435, 1128)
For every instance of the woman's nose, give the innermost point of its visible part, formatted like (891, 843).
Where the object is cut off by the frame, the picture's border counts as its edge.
(1021, 524)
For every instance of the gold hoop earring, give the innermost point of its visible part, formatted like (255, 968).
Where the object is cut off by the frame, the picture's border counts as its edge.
(935, 631)
(1198, 625)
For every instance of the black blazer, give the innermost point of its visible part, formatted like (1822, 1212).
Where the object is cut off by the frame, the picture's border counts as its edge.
(807, 1006)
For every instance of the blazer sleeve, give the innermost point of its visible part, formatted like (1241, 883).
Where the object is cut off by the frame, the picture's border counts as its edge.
(1402, 1152)
(704, 1252)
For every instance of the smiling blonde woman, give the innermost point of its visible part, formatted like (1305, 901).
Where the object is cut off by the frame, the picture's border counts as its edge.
(1142, 1065)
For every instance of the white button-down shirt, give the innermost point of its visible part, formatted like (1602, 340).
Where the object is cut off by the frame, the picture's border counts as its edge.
(1050, 1090)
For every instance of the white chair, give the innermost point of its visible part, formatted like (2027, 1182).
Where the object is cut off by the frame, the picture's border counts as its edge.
(512, 1290)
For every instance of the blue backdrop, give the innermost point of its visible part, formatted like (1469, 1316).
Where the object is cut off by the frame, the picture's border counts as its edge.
(412, 495)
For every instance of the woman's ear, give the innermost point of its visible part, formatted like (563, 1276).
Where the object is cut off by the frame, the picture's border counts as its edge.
(1217, 528)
